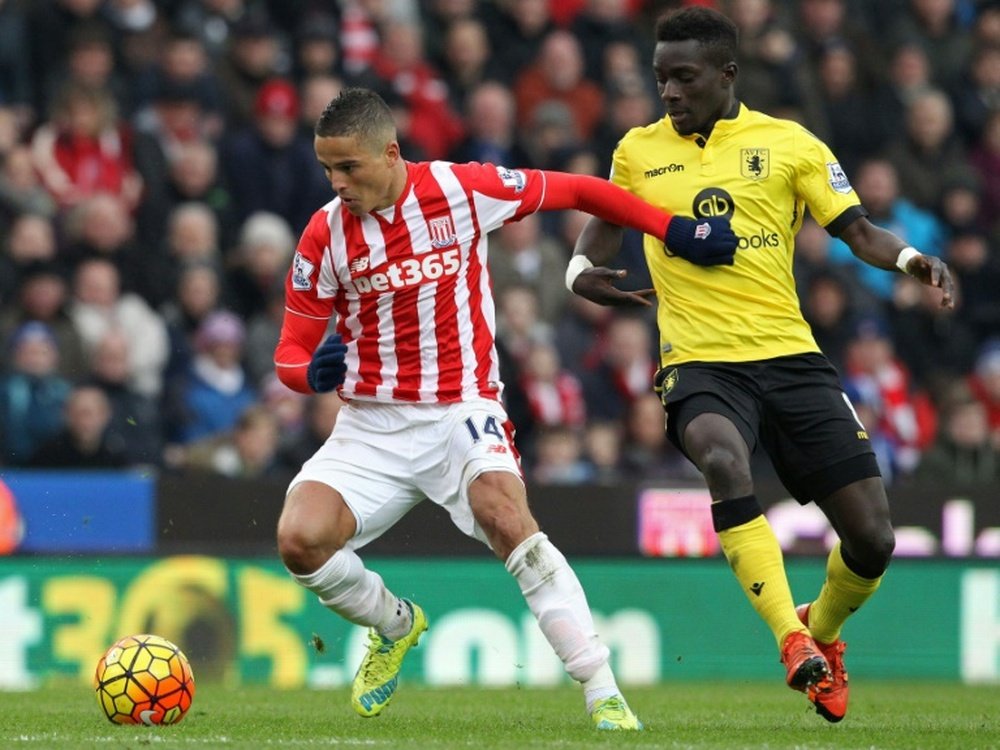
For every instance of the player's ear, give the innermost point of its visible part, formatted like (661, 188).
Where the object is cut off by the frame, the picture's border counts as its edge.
(391, 153)
(729, 73)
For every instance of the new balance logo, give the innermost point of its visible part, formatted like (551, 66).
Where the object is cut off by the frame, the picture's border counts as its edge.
(657, 171)
(757, 587)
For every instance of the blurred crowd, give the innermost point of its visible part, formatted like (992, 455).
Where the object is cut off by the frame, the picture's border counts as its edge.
(156, 169)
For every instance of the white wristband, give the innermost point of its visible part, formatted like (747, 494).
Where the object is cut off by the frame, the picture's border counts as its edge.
(905, 256)
(577, 265)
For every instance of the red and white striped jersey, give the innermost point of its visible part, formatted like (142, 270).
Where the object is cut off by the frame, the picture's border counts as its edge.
(409, 284)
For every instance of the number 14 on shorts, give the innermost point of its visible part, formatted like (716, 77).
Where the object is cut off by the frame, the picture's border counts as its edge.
(489, 426)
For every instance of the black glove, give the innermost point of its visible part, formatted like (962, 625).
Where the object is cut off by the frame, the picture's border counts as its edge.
(704, 242)
(327, 368)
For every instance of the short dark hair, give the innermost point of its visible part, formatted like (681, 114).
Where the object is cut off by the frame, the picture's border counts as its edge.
(358, 112)
(710, 28)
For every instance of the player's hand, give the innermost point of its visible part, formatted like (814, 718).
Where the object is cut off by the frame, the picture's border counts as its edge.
(597, 285)
(327, 369)
(704, 242)
(933, 272)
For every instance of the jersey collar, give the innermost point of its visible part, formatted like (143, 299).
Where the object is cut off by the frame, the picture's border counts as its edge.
(721, 129)
(390, 213)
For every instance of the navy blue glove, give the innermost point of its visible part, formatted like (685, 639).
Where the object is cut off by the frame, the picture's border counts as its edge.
(327, 368)
(704, 242)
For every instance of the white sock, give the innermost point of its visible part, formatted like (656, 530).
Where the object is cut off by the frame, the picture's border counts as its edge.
(602, 685)
(555, 596)
(357, 594)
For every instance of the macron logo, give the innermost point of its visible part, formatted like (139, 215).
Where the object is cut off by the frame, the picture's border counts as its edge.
(702, 231)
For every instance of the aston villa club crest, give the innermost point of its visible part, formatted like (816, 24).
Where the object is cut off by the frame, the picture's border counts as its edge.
(302, 271)
(442, 232)
(755, 163)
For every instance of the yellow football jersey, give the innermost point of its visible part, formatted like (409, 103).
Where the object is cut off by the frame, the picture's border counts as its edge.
(761, 172)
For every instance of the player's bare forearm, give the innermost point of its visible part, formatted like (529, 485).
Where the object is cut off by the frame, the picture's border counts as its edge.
(599, 243)
(881, 248)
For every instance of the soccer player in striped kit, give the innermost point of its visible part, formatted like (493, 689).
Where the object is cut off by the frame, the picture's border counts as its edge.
(398, 257)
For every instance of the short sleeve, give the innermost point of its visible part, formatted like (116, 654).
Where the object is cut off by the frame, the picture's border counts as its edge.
(620, 175)
(820, 180)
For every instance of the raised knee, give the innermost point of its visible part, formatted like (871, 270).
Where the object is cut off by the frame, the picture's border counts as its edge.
(871, 552)
(724, 467)
(302, 547)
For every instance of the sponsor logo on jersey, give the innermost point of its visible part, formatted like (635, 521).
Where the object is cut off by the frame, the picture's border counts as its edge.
(838, 179)
(302, 271)
(442, 232)
(657, 171)
(408, 272)
(713, 202)
(755, 163)
(512, 178)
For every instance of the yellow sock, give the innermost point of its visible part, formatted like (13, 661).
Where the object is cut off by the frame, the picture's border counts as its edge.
(842, 593)
(755, 557)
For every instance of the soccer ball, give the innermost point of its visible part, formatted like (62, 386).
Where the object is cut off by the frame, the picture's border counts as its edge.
(144, 679)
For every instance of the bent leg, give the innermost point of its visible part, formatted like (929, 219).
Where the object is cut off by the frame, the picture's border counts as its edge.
(859, 513)
(551, 589)
(719, 450)
(314, 527)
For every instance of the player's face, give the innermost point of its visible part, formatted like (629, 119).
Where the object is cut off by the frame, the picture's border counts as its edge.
(362, 175)
(694, 90)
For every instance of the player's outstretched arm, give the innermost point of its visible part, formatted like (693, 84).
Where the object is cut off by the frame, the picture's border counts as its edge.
(883, 249)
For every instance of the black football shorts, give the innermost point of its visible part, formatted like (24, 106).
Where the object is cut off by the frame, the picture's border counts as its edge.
(794, 407)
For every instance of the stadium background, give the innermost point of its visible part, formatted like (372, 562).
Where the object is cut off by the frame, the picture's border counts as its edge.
(155, 170)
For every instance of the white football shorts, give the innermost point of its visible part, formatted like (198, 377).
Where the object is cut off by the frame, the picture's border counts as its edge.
(386, 458)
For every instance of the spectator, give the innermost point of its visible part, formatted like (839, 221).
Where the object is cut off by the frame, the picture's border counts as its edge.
(84, 149)
(317, 90)
(259, 262)
(976, 268)
(85, 441)
(964, 452)
(517, 29)
(270, 166)
(317, 49)
(984, 383)
(985, 159)
(979, 95)
(249, 451)
(827, 308)
(602, 448)
(99, 306)
(467, 62)
(524, 256)
(560, 458)
(136, 422)
(600, 24)
(254, 55)
(32, 393)
(907, 418)
(209, 398)
(15, 62)
(769, 56)
(555, 396)
(930, 153)
(198, 294)
(43, 298)
(934, 25)
(434, 126)
(31, 240)
(21, 191)
(491, 133)
(646, 453)
(936, 345)
(194, 176)
(557, 75)
(321, 411)
(625, 370)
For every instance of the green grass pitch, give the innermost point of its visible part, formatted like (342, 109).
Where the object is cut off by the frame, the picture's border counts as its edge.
(679, 715)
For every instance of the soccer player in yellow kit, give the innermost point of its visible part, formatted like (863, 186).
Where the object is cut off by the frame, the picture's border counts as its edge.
(740, 366)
